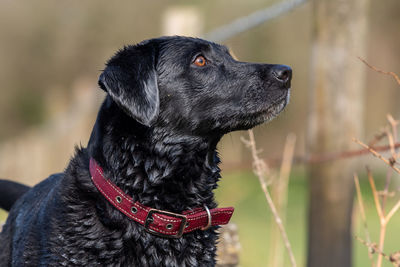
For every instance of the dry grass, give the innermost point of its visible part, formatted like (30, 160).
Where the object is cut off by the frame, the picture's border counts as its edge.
(390, 133)
(264, 175)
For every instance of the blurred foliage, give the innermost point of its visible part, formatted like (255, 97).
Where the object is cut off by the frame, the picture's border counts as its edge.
(48, 45)
(253, 217)
(31, 107)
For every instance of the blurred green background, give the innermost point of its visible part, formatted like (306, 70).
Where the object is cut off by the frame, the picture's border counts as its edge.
(52, 53)
(242, 190)
(253, 217)
(47, 47)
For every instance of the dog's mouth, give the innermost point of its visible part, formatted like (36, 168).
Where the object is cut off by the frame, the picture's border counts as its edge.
(271, 111)
(266, 114)
(247, 119)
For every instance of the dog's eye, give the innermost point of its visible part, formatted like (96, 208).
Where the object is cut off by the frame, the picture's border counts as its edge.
(200, 61)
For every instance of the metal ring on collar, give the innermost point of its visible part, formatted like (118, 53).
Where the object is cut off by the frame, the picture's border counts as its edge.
(209, 219)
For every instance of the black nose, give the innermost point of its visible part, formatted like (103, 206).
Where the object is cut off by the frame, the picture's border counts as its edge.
(283, 74)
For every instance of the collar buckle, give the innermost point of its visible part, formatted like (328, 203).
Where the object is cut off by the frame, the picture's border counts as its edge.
(149, 220)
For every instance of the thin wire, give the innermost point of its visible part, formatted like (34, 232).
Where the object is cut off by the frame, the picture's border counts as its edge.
(253, 20)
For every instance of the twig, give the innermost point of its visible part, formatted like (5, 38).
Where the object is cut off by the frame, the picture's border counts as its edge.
(321, 158)
(376, 154)
(373, 248)
(380, 207)
(393, 211)
(391, 144)
(378, 137)
(393, 123)
(395, 258)
(389, 171)
(364, 217)
(259, 169)
(389, 194)
(382, 220)
(381, 71)
(376, 197)
(345, 154)
(392, 137)
(279, 196)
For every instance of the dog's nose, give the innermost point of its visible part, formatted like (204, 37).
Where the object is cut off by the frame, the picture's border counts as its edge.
(283, 74)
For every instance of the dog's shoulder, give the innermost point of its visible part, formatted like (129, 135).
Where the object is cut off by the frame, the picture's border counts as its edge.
(28, 218)
(39, 194)
(36, 201)
(36, 198)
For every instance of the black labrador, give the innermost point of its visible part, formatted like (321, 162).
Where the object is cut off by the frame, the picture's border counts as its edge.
(169, 101)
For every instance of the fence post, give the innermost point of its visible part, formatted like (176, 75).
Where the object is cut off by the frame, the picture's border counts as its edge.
(336, 115)
(182, 20)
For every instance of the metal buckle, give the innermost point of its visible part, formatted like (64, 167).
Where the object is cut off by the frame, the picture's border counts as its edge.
(208, 219)
(149, 220)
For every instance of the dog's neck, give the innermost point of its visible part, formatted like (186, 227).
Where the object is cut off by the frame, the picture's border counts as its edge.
(156, 166)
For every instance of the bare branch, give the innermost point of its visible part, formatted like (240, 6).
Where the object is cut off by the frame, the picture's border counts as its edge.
(279, 196)
(391, 144)
(378, 137)
(376, 197)
(393, 123)
(373, 247)
(393, 211)
(392, 138)
(364, 217)
(395, 258)
(259, 169)
(321, 158)
(376, 154)
(381, 71)
(383, 219)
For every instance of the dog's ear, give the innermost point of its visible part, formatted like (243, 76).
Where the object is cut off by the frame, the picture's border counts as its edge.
(130, 78)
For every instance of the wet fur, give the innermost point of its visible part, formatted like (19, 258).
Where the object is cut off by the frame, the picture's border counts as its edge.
(155, 137)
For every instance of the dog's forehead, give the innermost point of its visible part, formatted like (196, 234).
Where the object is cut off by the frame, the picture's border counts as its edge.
(183, 46)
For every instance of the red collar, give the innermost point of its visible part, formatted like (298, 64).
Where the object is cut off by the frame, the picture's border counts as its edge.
(158, 222)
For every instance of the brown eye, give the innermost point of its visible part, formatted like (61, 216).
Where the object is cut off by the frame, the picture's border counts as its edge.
(200, 61)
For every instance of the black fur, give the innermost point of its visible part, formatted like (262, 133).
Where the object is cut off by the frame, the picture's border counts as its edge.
(155, 137)
(10, 192)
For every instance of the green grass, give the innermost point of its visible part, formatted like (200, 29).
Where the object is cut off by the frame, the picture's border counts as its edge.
(3, 216)
(253, 217)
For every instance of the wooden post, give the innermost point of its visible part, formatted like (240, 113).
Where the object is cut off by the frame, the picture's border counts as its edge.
(335, 117)
(182, 20)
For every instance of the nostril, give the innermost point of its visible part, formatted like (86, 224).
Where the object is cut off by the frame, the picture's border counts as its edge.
(282, 73)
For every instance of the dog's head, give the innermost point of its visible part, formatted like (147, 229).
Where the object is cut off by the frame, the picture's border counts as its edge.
(194, 86)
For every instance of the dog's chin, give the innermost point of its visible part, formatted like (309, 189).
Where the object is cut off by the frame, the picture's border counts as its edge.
(270, 112)
(265, 115)
(274, 110)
